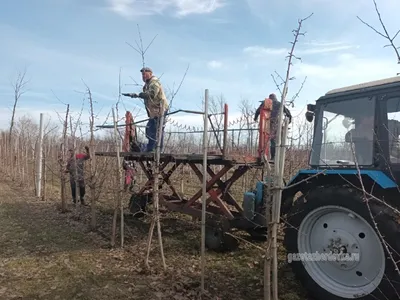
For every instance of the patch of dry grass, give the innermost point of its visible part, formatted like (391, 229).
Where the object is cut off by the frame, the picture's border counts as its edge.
(48, 255)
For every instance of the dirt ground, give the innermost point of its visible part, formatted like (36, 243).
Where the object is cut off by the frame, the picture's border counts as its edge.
(46, 254)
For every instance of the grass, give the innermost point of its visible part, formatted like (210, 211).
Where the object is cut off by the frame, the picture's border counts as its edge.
(45, 254)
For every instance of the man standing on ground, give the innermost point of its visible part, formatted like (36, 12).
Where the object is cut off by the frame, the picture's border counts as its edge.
(156, 105)
(76, 173)
(273, 119)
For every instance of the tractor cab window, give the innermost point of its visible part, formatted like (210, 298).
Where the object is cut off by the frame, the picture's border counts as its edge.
(344, 133)
(393, 128)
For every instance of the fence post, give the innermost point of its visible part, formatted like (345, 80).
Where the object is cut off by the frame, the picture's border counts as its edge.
(204, 190)
(39, 158)
(225, 142)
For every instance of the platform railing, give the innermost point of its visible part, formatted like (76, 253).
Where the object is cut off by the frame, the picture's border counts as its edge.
(224, 148)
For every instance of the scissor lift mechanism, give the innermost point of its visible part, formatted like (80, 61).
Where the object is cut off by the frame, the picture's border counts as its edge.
(222, 207)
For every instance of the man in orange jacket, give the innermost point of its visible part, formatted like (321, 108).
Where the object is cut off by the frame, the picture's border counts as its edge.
(273, 119)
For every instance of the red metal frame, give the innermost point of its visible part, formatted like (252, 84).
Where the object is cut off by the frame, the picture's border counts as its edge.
(224, 148)
(129, 131)
(130, 135)
(219, 200)
(221, 204)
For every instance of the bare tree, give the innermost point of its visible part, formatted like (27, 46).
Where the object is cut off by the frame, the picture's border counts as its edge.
(156, 197)
(19, 89)
(279, 166)
(140, 48)
(19, 86)
(118, 188)
(216, 119)
(62, 161)
(94, 194)
(384, 33)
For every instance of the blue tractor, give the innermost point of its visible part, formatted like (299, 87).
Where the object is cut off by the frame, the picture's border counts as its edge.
(347, 202)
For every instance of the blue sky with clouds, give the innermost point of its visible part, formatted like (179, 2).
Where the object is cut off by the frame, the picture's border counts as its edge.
(232, 48)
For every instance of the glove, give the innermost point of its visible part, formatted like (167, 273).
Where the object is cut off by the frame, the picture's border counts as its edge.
(143, 95)
(132, 95)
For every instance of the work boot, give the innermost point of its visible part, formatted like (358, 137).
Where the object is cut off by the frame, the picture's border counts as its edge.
(83, 202)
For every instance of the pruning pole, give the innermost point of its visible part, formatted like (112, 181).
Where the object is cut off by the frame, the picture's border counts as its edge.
(204, 192)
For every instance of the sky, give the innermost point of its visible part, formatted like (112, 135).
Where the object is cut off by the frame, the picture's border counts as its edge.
(231, 47)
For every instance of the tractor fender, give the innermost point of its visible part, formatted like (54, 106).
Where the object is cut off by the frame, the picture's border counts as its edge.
(307, 179)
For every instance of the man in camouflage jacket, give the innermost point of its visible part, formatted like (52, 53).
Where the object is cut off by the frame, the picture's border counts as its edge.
(156, 105)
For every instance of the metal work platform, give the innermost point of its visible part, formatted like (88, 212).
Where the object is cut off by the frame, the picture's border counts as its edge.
(217, 186)
(212, 159)
(222, 209)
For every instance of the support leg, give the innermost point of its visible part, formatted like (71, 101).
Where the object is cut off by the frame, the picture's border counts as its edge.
(214, 195)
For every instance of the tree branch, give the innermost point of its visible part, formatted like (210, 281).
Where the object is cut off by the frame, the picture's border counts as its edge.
(385, 33)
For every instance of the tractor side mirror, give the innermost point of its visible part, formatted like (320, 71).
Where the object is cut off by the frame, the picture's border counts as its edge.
(310, 112)
(309, 116)
(311, 107)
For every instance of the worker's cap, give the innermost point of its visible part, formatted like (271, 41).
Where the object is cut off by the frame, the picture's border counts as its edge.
(146, 69)
(272, 96)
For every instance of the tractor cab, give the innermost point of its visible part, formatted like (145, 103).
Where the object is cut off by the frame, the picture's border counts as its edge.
(357, 126)
(344, 207)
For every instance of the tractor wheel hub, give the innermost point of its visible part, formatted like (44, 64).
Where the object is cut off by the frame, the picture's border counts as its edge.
(341, 248)
(347, 243)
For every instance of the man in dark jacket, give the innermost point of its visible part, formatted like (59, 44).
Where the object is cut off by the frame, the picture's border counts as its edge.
(274, 119)
(76, 173)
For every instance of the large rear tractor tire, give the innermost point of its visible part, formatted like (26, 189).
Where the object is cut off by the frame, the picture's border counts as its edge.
(138, 205)
(258, 234)
(337, 219)
(219, 241)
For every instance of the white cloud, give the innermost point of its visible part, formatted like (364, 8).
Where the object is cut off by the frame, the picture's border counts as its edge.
(259, 51)
(132, 8)
(42, 59)
(214, 64)
(317, 48)
(344, 70)
(320, 43)
(258, 8)
(326, 49)
(348, 69)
